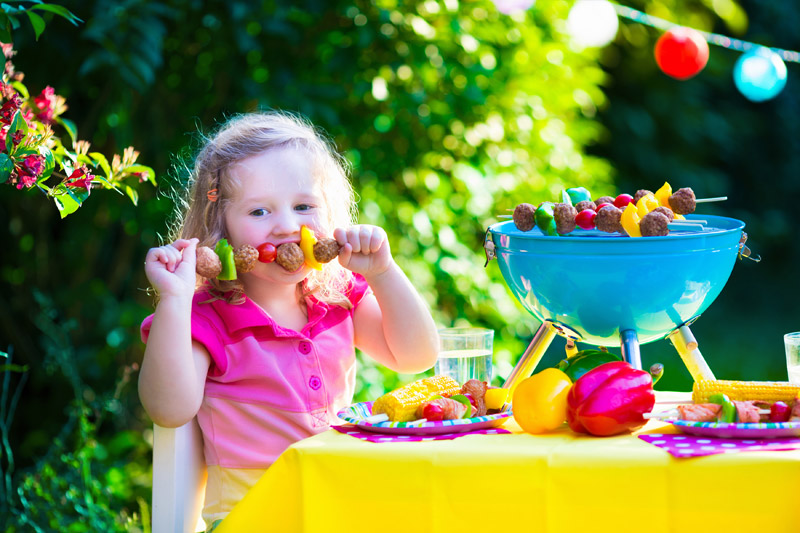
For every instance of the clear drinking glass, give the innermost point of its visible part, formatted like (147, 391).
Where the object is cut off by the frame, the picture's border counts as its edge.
(792, 343)
(465, 353)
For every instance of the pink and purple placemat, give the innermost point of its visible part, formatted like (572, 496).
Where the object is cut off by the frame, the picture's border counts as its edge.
(681, 445)
(369, 436)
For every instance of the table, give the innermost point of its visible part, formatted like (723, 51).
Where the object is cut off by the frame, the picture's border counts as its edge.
(558, 482)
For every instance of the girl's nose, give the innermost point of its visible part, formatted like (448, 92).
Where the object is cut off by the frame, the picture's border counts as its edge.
(285, 223)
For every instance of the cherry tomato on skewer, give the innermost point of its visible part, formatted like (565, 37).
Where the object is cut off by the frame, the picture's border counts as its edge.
(266, 252)
(585, 219)
(622, 200)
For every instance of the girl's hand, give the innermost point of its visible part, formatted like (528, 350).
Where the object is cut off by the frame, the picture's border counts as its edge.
(170, 268)
(365, 249)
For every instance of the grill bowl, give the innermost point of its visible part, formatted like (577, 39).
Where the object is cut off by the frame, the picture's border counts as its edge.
(598, 284)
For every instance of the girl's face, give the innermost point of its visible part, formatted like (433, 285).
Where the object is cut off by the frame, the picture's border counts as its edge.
(275, 196)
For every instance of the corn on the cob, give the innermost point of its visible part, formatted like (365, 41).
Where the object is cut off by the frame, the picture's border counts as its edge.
(401, 404)
(765, 391)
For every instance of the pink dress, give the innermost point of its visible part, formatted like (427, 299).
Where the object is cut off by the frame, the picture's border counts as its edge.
(267, 386)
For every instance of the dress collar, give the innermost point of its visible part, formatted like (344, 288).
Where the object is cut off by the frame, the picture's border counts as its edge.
(248, 315)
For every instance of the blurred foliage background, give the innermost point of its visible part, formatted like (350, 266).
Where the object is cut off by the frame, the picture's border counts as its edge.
(450, 112)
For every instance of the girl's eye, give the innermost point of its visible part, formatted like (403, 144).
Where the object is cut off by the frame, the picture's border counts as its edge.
(258, 212)
(304, 207)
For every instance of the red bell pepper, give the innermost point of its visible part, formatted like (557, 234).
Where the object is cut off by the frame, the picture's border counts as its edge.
(610, 399)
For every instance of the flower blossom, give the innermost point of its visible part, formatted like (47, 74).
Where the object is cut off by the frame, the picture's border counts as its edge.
(48, 105)
(30, 169)
(9, 108)
(80, 177)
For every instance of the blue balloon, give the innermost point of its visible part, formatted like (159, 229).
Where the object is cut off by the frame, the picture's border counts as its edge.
(760, 74)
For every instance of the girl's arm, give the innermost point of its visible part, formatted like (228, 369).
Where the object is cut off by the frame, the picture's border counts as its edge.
(394, 325)
(173, 373)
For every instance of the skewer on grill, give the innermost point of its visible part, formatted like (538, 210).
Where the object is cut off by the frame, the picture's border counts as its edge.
(715, 199)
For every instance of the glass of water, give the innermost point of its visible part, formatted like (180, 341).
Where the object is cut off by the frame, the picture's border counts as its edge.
(465, 353)
(792, 343)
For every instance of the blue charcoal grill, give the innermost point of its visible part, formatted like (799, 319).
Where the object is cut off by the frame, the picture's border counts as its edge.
(613, 290)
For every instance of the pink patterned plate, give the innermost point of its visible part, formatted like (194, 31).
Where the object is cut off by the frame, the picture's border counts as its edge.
(761, 430)
(359, 412)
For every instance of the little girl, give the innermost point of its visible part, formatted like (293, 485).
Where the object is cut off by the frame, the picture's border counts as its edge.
(269, 359)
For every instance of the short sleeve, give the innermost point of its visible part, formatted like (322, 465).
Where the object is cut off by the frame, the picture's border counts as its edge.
(359, 289)
(204, 332)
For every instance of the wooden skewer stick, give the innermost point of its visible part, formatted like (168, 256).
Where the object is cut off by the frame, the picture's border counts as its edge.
(715, 199)
(505, 216)
(374, 419)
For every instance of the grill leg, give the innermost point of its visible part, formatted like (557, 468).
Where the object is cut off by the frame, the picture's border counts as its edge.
(629, 342)
(533, 354)
(686, 346)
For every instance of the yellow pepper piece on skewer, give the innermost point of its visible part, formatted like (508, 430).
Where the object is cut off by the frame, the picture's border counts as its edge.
(646, 204)
(663, 194)
(630, 221)
(307, 242)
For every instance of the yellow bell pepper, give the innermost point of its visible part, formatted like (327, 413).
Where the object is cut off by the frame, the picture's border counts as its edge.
(646, 204)
(540, 401)
(307, 242)
(663, 194)
(495, 398)
(630, 221)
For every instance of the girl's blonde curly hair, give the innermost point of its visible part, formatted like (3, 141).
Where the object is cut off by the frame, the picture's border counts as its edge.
(248, 135)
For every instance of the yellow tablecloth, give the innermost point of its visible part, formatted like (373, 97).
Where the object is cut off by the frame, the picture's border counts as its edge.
(559, 482)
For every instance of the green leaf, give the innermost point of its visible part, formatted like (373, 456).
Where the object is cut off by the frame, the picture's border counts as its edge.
(21, 89)
(49, 163)
(66, 204)
(101, 160)
(5, 30)
(17, 124)
(58, 10)
(37, 22)
(70, 127)
(151, 175)
(6, 166)
(132, 194)
(108, 183)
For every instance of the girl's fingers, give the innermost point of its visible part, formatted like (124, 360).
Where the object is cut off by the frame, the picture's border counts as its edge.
(180, 244)
(365, 239)
(345, 253)
(171, 255)
(188, 256)
(378, 238)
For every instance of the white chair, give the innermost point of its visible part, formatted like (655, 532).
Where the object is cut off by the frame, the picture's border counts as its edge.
(179, 479)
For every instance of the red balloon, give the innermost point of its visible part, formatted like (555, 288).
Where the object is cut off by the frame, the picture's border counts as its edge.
(681, 53)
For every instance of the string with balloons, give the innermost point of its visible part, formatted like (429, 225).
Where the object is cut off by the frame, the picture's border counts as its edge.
(680, 52)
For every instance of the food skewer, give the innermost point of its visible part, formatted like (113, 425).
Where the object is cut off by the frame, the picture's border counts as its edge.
(674, 413)
(715, 199)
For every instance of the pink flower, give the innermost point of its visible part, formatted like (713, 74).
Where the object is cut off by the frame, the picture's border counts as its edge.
(80, 177)
(9, 108)
(30, 169)
(8, 50)
(141, 175)
(46, 102)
